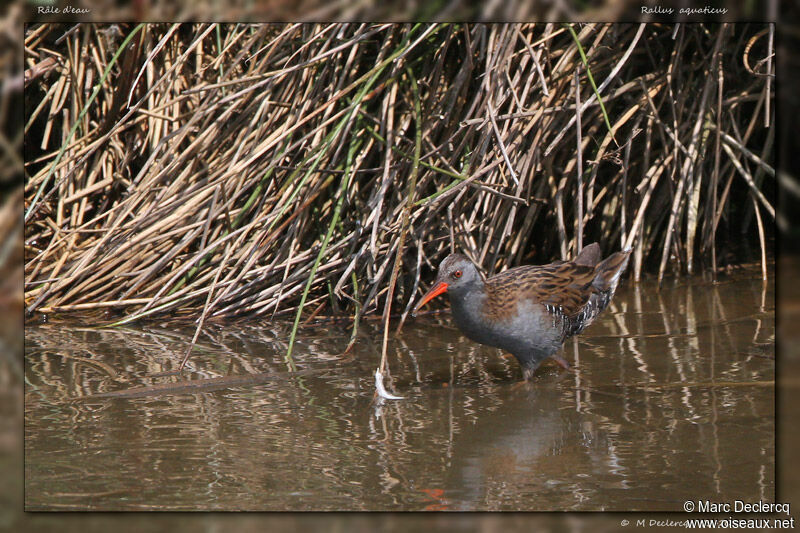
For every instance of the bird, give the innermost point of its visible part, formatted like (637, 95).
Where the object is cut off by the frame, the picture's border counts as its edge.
(529, 310)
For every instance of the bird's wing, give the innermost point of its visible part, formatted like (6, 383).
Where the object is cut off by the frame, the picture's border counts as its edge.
(564, 285)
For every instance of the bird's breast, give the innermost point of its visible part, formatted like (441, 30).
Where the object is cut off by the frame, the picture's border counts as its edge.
(528, 326)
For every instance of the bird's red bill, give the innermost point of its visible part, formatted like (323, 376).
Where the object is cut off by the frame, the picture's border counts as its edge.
(435, 291)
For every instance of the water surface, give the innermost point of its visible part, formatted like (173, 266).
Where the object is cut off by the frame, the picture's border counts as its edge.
(671, 397)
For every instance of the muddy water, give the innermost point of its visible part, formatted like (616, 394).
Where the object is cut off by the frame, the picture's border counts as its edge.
(671, 398)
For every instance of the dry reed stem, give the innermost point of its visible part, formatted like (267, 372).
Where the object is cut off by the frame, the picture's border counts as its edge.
(208, 188)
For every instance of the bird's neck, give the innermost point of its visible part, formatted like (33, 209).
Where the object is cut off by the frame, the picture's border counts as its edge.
(467, 304)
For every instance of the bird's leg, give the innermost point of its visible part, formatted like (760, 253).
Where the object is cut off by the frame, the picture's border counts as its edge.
(530, 364)
(527, 374)
(561, 361)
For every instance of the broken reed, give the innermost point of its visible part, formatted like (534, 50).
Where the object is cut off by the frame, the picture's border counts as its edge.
(207, 170)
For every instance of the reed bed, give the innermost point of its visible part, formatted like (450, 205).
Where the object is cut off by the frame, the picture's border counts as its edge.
(210, 171)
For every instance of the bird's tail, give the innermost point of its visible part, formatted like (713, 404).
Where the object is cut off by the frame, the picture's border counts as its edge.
(606, 277)
(608, 271)
(589, 256)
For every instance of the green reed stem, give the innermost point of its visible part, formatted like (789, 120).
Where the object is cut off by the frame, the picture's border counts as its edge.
(591, 78)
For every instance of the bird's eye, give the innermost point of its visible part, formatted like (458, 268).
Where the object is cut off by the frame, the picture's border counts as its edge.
(457, 274)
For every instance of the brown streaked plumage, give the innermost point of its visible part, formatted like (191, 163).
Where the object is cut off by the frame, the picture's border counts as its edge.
(529, 310)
